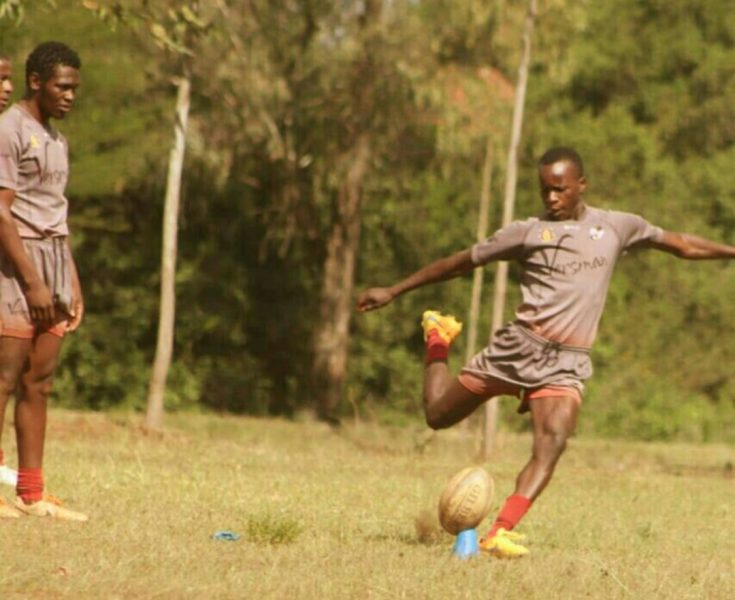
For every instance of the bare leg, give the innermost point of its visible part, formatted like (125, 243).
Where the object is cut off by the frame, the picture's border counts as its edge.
(30, 405)
(554, 420)
(13, 354)
(446, 400)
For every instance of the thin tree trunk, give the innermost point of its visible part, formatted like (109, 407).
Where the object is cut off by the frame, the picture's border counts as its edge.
(501, 274)
(164, 345)
(332, 334)
(482, 226)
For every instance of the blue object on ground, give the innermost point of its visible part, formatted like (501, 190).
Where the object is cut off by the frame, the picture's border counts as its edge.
(227, 536)
(466, 545)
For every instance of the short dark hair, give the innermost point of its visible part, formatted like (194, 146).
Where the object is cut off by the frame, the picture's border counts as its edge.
(560, 154)
(47, 56)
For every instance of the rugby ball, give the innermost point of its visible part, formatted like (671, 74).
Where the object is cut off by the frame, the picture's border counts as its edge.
(466, 499)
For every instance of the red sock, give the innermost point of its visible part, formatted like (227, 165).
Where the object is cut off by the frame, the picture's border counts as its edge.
(30, 485)
(512, 512)
(436, 348)
(2, 457)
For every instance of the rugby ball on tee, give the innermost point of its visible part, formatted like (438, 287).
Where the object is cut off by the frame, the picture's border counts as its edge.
(466, 500)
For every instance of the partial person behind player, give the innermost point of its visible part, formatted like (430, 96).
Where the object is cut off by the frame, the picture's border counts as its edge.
(7, 475)
(40, 293)
(6, 81)
(567, 256)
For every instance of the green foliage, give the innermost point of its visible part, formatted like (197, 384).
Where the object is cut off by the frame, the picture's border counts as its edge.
(173, 26)
(644, 89)
(15, 10)
(644, 97)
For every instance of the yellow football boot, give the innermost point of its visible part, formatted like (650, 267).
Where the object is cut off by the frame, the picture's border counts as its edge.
(446, 326)
(503, 544)
(50, 507)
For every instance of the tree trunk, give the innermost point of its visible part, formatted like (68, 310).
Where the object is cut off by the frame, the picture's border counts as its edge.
(332, 333)
(501, 274)
(331, 336)
(482, 226)
(164, 345)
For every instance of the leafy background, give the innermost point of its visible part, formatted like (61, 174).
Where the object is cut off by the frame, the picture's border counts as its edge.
(644, 89)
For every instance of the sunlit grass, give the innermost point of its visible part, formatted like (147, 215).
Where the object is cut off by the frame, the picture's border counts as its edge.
(352, 515)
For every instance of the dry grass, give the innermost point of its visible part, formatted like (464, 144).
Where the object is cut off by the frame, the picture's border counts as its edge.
(352, 515)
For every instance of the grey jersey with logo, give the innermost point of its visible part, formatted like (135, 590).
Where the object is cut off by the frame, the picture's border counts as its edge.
(566, 268)
(34, 163)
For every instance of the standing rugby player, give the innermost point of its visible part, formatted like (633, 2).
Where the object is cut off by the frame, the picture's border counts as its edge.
(40, 293)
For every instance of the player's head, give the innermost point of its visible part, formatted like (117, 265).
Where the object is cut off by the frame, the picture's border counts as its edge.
(6, 82)
(52, 78)
(562, 182)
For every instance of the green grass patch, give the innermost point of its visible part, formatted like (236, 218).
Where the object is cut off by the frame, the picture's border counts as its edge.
(352, 514)
(270, 528)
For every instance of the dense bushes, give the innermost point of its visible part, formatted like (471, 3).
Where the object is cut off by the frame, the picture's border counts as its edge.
(649, 109)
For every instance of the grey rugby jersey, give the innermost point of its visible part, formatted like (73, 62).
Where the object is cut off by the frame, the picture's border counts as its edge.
(34, 163)
(566, 268)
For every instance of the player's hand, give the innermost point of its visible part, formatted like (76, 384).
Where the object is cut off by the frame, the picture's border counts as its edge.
(40, 303)
(374, 298)
(76, 314)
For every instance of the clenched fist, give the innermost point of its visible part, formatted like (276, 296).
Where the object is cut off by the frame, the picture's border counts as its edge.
(374, 298)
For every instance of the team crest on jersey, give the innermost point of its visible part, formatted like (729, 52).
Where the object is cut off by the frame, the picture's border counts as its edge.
(596, 233)
(34, 141)
(547, 235)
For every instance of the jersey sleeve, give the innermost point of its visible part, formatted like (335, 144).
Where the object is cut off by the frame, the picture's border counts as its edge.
(9, 155)
(634, 229)
(505, 244)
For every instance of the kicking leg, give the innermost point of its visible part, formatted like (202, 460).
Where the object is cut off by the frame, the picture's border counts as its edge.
(446, 400)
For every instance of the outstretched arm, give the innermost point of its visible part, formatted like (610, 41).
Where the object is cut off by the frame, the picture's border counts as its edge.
(440, 270)
(692, 247)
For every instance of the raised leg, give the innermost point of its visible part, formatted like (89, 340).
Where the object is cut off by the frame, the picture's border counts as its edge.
(446, 400)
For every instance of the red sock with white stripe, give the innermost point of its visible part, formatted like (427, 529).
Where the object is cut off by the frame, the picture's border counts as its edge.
(30, 485)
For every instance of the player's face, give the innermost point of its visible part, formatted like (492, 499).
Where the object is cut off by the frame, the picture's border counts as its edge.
(6, 84)
(56, 95)
(561, 190)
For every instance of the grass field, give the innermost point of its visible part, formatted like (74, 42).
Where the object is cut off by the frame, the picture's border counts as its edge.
(352, 515)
